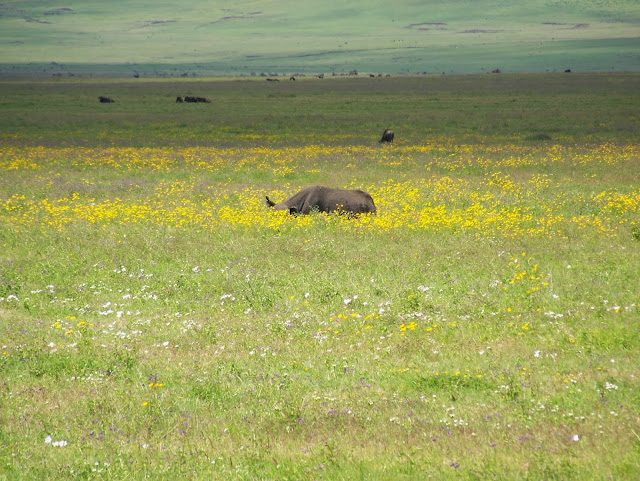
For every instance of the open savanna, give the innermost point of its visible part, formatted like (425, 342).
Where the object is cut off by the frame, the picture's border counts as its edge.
(158, 321)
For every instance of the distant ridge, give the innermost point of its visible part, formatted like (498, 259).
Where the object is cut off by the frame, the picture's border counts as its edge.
(201, 38)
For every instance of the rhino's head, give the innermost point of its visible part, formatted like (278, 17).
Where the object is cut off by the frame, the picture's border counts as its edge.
(281, 206)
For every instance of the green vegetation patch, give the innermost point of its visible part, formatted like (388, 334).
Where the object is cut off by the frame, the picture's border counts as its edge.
(159, 321)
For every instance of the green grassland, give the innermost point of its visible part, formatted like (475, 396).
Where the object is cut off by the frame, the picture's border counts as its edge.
(572, 107)
(212, 38)
(158, 321)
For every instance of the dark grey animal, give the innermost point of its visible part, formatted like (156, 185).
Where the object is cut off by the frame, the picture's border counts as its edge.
(191, 99)
(387, 136)
(325, 199)
(105, 100)
(179, 99)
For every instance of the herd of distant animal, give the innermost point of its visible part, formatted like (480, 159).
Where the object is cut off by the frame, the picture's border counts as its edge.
(313, 198)
(179, 99)
(194, 100)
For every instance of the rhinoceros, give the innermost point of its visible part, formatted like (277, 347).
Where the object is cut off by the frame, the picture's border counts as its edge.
(325, 199)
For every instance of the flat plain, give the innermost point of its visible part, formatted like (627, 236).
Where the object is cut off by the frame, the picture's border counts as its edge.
(157, 320)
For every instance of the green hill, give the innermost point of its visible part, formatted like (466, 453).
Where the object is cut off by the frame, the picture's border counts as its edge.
(206, 37)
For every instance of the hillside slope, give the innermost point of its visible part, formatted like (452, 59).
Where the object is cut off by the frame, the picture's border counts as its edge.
(282, 36)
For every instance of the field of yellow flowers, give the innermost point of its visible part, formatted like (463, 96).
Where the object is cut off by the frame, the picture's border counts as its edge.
(158, 320)
(521, 191)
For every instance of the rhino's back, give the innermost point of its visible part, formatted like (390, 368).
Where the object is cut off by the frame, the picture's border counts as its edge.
(330, 200)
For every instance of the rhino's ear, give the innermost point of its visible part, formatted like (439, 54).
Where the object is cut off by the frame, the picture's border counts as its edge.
(270, 203)
(293, 210)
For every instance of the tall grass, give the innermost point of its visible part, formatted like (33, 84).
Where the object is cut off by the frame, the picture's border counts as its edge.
(158, 320)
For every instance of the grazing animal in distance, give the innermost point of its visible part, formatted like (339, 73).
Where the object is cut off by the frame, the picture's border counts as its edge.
(326, 199)
(191, 99)
(179, 99)
(387, 136)
(105, 100)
